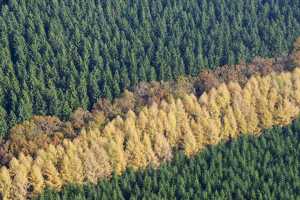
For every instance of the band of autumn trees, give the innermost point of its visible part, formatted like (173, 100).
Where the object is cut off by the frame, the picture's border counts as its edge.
(147, 139)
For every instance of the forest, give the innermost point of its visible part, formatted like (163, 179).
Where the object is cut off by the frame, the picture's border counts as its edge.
(58, 55)
(149, 99)
(150, 137)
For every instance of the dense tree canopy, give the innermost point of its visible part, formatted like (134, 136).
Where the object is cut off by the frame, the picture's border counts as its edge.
(246, 168)
(144, 138)
(57, 55)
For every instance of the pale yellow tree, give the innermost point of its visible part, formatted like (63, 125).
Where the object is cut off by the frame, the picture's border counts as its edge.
(273, 100)
(149, 153)
(171, 133)
(20, 180)
(25, 160)
(134, 147)
(198, 131)
(212, 107)
(5, 183)
(223, 97)
(261, 91)
(51, 175)
(162, 148)
(116, 154)
(249, 109)
(296, 85)
(90, 167)
(237, 102)
(142, 121)
(286, 111)
(104, 168)
(71, 168)
(36, 180)
(181, 120)
(230, 127)
(189, 143)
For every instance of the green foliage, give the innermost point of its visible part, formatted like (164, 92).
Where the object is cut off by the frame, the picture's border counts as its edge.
(58, 55)
(266, 167)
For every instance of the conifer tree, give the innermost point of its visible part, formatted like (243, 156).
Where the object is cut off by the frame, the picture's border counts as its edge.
(117, 155)
(5, 183)
(162, 148)
(51, 175)
(19, 181)
(134, 147)
(296, 83)
(189, 143)
(151, 158)
(229, 126)
(104, 168)
(248, 108)
(237, 102)
(36, 180)
(90, 167)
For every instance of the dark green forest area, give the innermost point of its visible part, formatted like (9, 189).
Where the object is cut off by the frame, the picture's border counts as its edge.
(57, 55)
(266, 167)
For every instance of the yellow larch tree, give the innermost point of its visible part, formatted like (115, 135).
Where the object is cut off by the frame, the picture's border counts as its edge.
(286, 111)
(149, 153)
(116, 154)
(134, 147)
(273, 100)
(142, 121)
(223, 98)
(189, 142)
(181, 120)
(26, 161)
(199, 134)
(296, 85)
(261, 91)
(51, 175)
(162, 148)
(171, 133)
(90, 167)
(5, 183)
(20, 180)
(215, 116)
(237, 102)
(36, 180)
(104, 168)
(230, 128)
(71, 167)
(248, 108)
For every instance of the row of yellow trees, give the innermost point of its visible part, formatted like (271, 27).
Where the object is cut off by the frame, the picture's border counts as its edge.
(147, 138)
